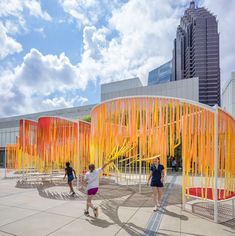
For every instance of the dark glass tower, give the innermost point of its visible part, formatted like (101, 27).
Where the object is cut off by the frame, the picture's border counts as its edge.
(196, 52)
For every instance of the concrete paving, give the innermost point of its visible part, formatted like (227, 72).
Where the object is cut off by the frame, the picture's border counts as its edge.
(48, 210)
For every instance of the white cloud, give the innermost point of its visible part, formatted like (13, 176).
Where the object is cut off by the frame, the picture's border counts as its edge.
(139, 36)
(11, 27)
(132, 39)
(12, 21)
(47, 73)
(10, 8)
(7, 44)
(40, 31)
(35, 9)
(142, 34)
(89, 12)
(40, 82)
(78, 10)
(16, 7)
(60, 102)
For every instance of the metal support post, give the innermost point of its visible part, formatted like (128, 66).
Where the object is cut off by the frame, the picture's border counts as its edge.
(5, 157)
(140, 166)
(216, 164)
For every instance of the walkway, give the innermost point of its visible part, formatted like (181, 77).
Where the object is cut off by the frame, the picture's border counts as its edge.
(49, 210)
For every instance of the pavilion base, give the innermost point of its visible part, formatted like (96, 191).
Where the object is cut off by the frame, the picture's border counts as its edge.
(200, 201)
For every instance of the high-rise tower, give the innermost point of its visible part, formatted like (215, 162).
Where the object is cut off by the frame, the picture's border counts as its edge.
(196, 52)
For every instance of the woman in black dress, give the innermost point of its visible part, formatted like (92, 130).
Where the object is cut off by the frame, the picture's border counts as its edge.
(157, 177)
(69, 171)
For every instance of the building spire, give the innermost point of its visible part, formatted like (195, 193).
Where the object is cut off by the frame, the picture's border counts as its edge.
(192, 5)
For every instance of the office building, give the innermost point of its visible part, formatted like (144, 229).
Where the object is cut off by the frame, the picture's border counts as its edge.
(188, 89)
(160, 75)
(228, 95)
(196, 52)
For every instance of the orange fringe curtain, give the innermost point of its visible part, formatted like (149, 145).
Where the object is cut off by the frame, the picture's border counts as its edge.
(46, 145)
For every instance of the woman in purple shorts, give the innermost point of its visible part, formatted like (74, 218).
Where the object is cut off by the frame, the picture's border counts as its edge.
(92, 181)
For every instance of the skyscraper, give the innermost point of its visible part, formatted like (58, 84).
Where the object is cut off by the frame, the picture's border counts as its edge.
(196, 52)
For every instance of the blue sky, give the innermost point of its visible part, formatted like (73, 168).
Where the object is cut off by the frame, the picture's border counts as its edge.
(56, 53)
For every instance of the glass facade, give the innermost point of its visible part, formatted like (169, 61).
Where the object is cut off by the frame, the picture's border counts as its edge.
(160, 75)
(7, 136)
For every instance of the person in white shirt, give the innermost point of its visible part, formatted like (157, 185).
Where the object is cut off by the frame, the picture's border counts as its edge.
(91, 180)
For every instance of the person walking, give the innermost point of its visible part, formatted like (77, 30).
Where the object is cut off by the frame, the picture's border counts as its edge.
(69, 171)
(173, 165)
(157, 178)
(91, 180)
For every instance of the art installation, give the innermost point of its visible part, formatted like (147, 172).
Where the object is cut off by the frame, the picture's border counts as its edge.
(133, 131)
(155, 127)
(46, 145)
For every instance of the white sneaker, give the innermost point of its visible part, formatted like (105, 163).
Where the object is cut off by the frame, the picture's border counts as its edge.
(95, 210)
(155, 208)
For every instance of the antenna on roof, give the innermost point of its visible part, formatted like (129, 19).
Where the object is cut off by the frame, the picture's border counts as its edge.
(192, 5)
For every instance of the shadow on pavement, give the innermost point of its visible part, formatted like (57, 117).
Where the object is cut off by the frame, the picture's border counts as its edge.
(107, 190)
(99, 222)
(230, 223)
(173, 214)
(174, 232)
(110, 209)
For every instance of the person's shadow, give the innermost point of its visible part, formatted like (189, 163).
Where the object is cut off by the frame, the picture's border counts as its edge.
(110, 209)
(99, 222)
(172, 214)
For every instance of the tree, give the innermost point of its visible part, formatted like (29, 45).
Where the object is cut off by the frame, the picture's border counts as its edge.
(87, 118)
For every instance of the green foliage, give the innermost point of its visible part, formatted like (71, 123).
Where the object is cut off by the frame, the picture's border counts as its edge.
(87, 118)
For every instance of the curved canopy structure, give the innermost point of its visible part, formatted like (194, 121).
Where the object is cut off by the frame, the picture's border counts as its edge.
(160, 127)
(46, 145)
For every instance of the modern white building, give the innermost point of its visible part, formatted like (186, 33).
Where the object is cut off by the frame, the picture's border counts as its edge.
(228, 95)
(187, 89)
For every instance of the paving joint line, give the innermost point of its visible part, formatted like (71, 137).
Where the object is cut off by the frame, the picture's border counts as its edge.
(61, 227)
(155, 218)
(44, 211)
(13, 194)
(7, 232)
(27, 208)
(125, 223)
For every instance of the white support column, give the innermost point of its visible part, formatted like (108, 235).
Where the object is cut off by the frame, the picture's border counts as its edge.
(216, 164)
(117, 178)
(184, 202)
(5, 160)
(140, 167)
(23, 152)
(5, 156)
(140, 173)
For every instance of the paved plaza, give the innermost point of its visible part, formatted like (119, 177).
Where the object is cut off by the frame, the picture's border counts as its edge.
(47, 209)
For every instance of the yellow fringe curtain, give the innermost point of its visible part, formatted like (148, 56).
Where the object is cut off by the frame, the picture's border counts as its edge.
(155, 127)
(132, 132)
